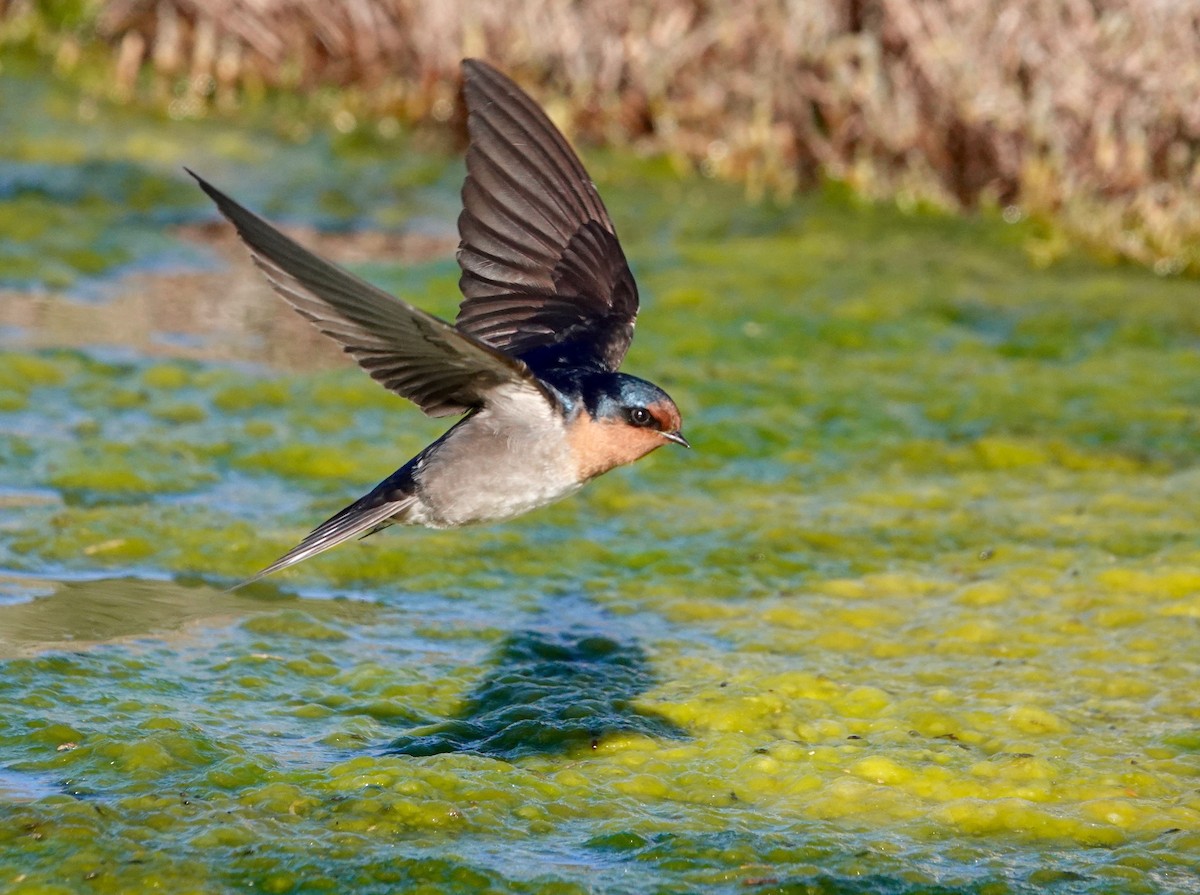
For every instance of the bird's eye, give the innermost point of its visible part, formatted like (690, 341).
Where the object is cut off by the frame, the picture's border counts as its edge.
(640, 416)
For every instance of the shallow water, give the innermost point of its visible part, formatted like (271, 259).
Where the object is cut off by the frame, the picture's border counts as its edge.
(920, 613)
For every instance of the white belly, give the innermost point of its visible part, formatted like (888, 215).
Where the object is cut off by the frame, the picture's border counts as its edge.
(509, 458)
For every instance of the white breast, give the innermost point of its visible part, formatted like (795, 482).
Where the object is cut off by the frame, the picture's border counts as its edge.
(507, 459)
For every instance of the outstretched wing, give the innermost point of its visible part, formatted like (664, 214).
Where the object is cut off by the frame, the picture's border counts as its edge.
(409, 351)
(543, 274)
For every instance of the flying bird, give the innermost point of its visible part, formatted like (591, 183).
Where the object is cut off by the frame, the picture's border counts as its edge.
(531, 362)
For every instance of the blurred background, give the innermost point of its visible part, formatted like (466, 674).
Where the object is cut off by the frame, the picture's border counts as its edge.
(919, 615)
(1081, 112)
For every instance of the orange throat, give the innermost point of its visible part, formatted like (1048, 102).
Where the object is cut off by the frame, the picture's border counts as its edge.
(600, 445)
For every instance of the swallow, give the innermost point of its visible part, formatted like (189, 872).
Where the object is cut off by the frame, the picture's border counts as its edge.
(531, 361)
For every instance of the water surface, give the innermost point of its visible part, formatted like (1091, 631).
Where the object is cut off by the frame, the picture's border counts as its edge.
(920, 612)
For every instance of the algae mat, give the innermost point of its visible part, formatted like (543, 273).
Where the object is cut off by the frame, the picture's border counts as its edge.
(921, 612)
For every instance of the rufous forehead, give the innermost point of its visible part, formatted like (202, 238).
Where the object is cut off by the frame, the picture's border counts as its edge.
(667, 415)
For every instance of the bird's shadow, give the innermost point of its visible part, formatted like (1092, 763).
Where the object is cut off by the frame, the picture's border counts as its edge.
(550, 689)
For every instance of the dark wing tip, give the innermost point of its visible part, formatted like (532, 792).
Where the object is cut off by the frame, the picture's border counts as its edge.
(227, 206)
(473, 68)
(213, 193)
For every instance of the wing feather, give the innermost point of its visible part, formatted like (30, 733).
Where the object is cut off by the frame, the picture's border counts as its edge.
(411, 352)
(543, 274)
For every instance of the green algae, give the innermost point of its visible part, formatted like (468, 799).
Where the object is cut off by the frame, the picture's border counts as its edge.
(919, 614)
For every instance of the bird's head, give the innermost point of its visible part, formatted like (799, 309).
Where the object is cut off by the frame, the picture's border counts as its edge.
(623, 419)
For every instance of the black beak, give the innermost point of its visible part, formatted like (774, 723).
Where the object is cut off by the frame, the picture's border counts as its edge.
(676, 437)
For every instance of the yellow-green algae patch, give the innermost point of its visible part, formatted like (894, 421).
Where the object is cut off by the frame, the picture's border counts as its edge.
(921, 612)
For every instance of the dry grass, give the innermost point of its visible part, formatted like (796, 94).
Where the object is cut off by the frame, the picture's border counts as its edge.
(1085, 112)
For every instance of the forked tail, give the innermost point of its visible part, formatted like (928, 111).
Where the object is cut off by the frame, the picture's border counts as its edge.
(363, 517)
